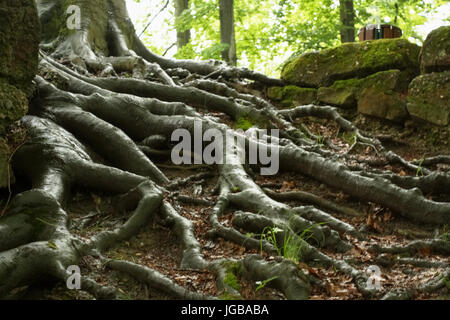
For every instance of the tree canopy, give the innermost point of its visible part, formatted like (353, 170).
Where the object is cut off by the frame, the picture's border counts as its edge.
(269, 31)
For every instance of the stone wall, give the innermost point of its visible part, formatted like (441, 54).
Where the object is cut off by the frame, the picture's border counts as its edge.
(391, 79)
(429, 93)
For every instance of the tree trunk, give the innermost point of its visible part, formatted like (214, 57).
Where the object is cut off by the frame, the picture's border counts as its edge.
(347, 14)
(183, 36)
(227, 35)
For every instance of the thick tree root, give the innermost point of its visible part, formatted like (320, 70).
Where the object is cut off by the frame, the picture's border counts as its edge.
(440, 281)
(435, 246)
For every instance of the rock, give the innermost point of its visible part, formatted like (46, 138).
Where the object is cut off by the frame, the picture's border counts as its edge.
(19, 43)
(342, 93)
(13, 105)
(290, 96)
(383, 95)
(435, 55)
(4, 164)
(429, 98)
(351, 60)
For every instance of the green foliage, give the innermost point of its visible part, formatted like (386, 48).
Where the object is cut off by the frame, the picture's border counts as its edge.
(320, 140)
(270, 31)
(243, 123)
(231, 275)
(446, 281)
(419, 168)
(289, 246)
(445, 233)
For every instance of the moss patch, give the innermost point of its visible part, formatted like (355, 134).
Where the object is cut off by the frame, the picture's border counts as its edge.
(290, 96)
(243, 123)
(13, 105)
(233, 270)
(351, 60)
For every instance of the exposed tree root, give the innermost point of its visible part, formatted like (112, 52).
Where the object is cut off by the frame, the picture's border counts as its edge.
(436, 246)
(440, 281)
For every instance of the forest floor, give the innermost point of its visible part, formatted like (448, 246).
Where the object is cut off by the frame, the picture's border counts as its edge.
(157, 248)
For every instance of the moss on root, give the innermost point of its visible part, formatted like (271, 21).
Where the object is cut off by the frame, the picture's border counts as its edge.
(243, 123)
(13, 104)
(233, 270)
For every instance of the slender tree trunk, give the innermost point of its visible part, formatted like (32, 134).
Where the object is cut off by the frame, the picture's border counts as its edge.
(347, 21)
(183, 36)
(227, 35)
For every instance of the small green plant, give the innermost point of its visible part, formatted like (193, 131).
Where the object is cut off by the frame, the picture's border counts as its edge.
(445, 233)
(350, 138)
(243, 123)
(419, 168)
(446, 281)
(292, 245)
(320, 140)
(262, 284)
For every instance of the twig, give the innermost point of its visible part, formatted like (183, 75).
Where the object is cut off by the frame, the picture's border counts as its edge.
(9, 179)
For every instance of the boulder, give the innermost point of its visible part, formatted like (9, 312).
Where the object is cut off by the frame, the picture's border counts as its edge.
(351, 60)
(343, 93)
(429, 98)
(435, 55)
(383, 95)
(290, 96)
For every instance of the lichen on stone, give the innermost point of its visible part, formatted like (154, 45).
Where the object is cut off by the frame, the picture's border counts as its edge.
(429, 98)
(291, 96)
(435, 54)
(382, 95)
(351, 60)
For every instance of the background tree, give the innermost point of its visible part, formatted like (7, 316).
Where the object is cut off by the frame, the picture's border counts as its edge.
(227, 32)
(183, 34)
(347, 15)
(267, 32)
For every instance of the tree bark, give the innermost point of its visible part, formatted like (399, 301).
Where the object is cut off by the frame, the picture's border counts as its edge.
(227, 34)
(183, 36)
(347, 14)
